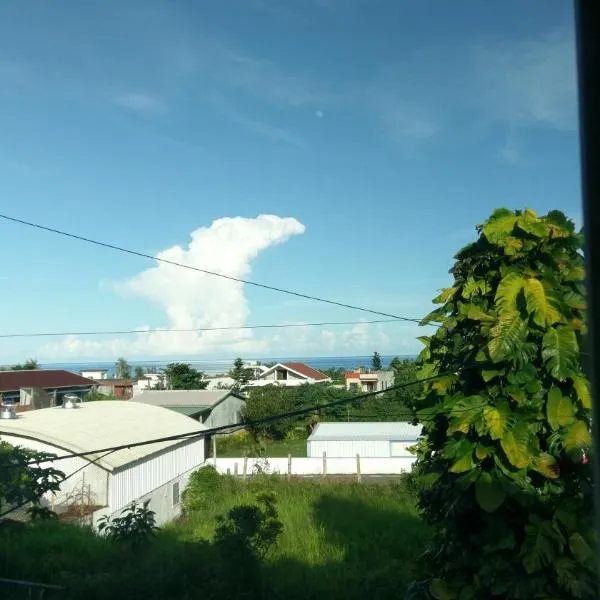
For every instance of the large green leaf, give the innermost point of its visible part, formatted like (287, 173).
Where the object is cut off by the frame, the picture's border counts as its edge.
(577, 436)
(499, 226)
(580, 548)
(435, 316)
(539, 305)
(497, 419)
(508, 291)
(472, 286)
(507, 336)
(533, 225)
(445, 295)
(559, 409)
(440, 590)
(582, 388)
(515, 444)
(489, 493)
(538, 549)
(560, 351)
(463, 464)
(475, 313)
(546, 465)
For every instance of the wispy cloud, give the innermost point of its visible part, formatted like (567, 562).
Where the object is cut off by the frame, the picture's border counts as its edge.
(530, 82)
(140, 102)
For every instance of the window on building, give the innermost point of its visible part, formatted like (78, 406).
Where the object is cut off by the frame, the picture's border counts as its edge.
(282, 375)
(176, 496)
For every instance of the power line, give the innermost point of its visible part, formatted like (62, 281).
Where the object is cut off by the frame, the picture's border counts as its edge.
(205, 271)
(248, 424)
(198, 329)
(25, 502)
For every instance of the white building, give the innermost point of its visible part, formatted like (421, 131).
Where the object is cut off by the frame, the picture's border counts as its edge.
(148, 382)
(369, 381)
(339, 440)
(107, 482)
(94, 373)
(213, 408)
(289, 374)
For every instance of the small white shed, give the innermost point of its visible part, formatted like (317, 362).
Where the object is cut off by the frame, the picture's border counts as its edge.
(375, 440)
(105, 483)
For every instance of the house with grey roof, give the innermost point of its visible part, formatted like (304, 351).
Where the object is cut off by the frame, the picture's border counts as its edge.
(213, 408)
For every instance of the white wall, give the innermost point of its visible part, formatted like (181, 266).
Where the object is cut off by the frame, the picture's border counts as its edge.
(314, 466)
(366, 448)
(93, 374)
(91, 474)
(137, 480)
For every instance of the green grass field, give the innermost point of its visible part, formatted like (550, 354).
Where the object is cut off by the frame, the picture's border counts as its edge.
(276, 449)
(340, 540)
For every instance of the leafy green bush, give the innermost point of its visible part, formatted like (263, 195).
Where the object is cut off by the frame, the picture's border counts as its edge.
(136, 525)
(504, 472)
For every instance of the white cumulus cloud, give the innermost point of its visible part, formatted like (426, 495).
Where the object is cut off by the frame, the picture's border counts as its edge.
(193, 300)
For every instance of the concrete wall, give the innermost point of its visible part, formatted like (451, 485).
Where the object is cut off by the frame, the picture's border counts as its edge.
(314, 466)
(227, 412)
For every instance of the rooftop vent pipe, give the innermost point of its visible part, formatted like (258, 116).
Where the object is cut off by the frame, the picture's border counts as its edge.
(71, 401)
(8, 411)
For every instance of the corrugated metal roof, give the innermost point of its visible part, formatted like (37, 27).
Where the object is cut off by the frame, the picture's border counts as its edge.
(169, 398)
(102, 424)
(397, 431)
(11, 381)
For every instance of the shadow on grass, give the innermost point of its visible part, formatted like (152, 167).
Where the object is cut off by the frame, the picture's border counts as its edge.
(379, 550)
(376, 544)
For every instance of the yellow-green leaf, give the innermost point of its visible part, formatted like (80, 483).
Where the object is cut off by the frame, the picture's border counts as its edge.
(577, 436)
(482, 451)
(546, 465)
(499, 226)
(515, 446)
(445, 295)
(512, 245)
(465, 463)
(516, 393)
(507, 336)
(489, 374)
(497, 419)
(532, 225)
(477, 314)
(559, 409)
(489, 493)
(508, 291)
(582, 388)
(443, 384)
(560, 351)
(538, 304)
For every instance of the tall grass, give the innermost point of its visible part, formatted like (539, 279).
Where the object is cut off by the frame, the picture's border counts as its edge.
(340, 540)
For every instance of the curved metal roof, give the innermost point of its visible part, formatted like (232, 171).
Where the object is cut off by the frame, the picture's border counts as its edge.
(102, 424)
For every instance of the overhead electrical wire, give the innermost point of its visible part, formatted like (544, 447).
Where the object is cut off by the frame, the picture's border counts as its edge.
(205, 271)
(195, 330)
(229, 428)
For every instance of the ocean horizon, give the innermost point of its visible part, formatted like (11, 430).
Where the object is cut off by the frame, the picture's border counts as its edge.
(214, 367)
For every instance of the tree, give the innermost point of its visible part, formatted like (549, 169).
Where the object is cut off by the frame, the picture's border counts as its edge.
(122, 369)
(181, 376)
(29, 365)
(22, 482)
(376, 361)
(240, 374)
(268, 401)
(405, 371)
(503, 467)
(139, 373)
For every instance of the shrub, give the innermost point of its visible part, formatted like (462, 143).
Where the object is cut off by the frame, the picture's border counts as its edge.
(136, 525)
(503, 471)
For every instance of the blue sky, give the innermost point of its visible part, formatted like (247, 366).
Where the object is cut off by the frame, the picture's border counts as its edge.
(377, 133)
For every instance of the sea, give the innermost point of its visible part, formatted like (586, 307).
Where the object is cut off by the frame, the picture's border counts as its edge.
(216, 367)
